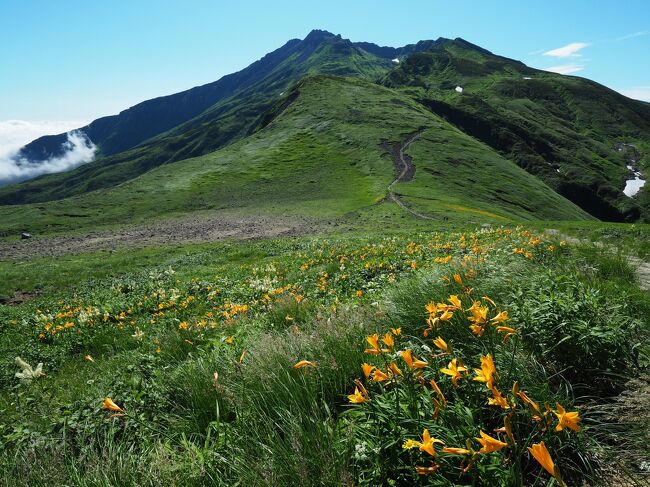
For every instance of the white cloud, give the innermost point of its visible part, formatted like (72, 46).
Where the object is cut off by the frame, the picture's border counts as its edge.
(565, 68)
(14, 134)
(633, 35)
(638, 93)
(570, 50)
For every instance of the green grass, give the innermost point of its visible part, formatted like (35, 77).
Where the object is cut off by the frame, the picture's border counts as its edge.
(262, 422)
(318, 159)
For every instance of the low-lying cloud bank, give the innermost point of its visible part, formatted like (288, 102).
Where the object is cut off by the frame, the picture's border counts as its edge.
(14, 134)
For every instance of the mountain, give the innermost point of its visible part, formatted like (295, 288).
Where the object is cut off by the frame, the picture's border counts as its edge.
(202, 119)
(321, 155)
(568, 131)
(514, 143)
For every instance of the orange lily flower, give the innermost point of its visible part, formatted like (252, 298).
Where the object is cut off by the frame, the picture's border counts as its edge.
(441, 344)
(488, 372)
(567, 420)
(304, 363)
(411, 362)
(453, 299)
(501, 317)
(388, 340)
(427, 443)
(427, 470)
(373, 340)
(533, 405)
(454, 370)
(446, 316)
(358, 397)
(367, 369)
(489, 444)
(543, 457)
(111, 406)
(379, 376)
(456, 451)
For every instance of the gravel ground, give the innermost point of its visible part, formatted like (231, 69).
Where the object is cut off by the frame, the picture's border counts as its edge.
(184, 230)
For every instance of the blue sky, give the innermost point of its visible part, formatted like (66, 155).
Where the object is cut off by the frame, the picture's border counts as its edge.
(77, 60)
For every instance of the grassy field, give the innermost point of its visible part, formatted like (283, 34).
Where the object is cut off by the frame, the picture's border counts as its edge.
(197, 344)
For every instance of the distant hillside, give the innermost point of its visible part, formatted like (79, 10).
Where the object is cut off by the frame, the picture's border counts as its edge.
(322, 155)
(575, 136)
(563, 129)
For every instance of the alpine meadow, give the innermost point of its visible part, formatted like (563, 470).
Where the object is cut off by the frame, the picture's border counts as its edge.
(343, 265)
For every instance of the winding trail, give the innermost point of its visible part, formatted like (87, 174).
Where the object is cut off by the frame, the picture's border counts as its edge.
(407, 172)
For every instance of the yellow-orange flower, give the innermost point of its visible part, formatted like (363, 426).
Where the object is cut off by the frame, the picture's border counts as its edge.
(434, 384)
(543, 457)
(394, 368)
(367, 369)
(454, 370)
(357, 397)
(304, 363)
(427, 443)
(478, 330)
(111, 406)
(502, 317)
(567, 420)
(489, 300)
(478, 313)
(453, 299)
(379, 376)
(388, 340)
(411, 362)
(508, 332)
(456, 451)
(446, 316)
(488, 372)
(441, 344)
(497, 399)
(427, 470)
(533, 405)
(373, 340)
(489, 444)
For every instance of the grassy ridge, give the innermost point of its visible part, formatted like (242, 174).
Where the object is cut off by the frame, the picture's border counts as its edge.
(320, 157)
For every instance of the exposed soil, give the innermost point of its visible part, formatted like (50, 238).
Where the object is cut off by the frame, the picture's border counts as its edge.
(19, 297)
(183, 230)
(405, 171)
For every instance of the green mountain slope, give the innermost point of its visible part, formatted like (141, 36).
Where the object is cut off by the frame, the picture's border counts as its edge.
(575, 136)
(202, 119)
(563, 129)
(321, 154)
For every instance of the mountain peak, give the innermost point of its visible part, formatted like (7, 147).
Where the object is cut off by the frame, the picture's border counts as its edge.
(318, 35)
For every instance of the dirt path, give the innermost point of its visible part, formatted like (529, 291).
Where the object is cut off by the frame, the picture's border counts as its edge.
(403, 164)
(191, 229)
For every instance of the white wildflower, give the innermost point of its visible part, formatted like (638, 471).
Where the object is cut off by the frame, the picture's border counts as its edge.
(28, 373)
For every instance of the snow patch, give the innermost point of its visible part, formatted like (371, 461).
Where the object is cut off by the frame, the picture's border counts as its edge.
(633, 186)
(459, 89)
(396, 61)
